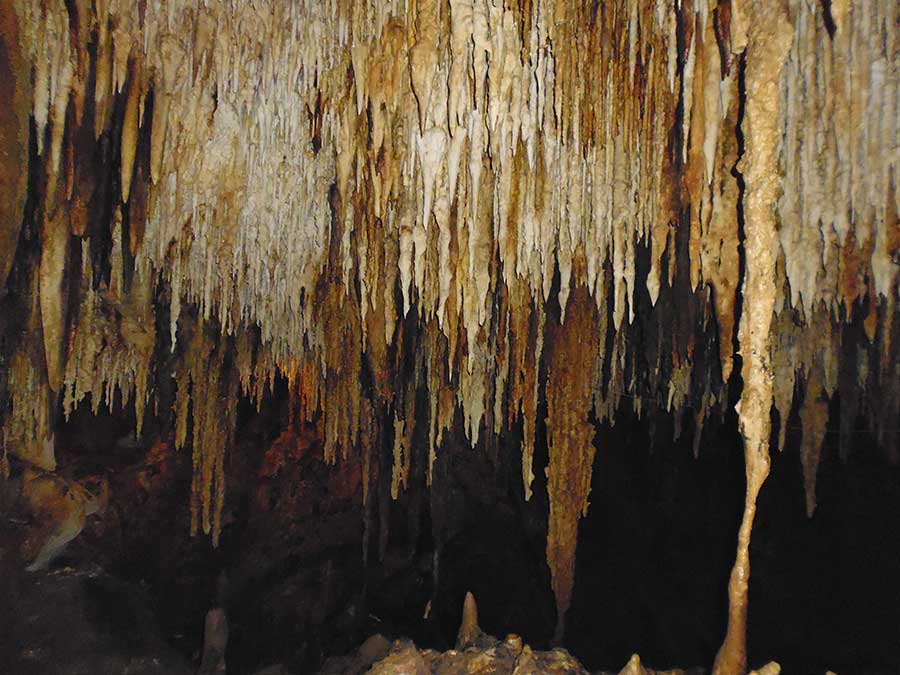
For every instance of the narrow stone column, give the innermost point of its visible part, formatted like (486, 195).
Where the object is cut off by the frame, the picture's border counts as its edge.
(763, 26)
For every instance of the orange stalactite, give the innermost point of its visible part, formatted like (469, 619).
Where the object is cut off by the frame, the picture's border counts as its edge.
(570, 437)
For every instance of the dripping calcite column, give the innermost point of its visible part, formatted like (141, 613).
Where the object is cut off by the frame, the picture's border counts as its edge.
(764, 29)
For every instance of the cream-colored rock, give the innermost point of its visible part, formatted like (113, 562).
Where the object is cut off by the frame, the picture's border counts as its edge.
(771, 668)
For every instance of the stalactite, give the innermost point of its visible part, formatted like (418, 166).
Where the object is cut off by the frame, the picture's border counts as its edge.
(570, 382)
(342, 365)
(404, 427)
(508, 108)
(129, 136)
(717, 213)
(814, 418)
(207, 386)
(838, 115)
(27, 427)
(15, 92)
(111, 345)
(768, 41)
(52, 293)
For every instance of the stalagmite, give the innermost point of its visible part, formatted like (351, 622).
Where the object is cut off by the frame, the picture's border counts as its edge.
(468, 627)
(215, 641)
(768, 41)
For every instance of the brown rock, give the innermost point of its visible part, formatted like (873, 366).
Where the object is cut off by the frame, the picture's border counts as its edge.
(404, 659)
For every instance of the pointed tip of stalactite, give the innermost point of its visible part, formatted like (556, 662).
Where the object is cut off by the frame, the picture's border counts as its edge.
(810, 505)
(469, 630)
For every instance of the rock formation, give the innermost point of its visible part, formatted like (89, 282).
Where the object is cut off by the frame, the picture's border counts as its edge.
(415, 211)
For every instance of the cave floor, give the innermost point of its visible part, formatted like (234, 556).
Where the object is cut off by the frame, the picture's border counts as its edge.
(80, 619)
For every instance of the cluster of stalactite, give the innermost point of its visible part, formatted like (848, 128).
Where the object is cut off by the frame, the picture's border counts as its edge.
(379, 198)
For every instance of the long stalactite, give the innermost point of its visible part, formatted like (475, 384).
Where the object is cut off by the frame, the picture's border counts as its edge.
(493, 204)
(766, 33)
(570, 381)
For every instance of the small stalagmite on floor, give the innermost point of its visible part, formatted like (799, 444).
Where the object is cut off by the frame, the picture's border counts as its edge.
(215, 641)
(469, 631)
